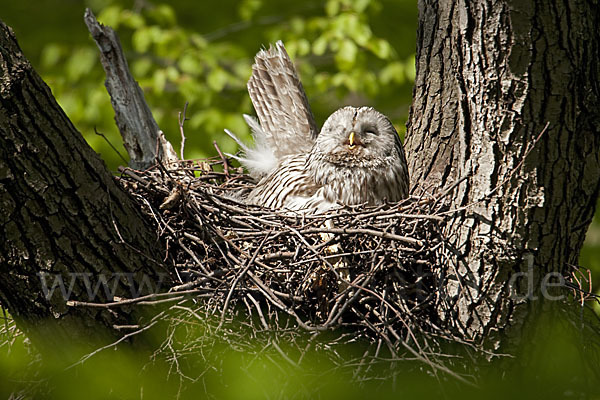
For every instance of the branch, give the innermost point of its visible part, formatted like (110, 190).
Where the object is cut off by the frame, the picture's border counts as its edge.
(138, 128)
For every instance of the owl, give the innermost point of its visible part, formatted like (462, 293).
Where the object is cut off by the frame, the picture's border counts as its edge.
(356, 158)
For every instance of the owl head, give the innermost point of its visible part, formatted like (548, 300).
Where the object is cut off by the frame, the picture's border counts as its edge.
(357, 137)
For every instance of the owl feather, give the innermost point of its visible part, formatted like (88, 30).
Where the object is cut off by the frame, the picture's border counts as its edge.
(285, 123)
(356, 158)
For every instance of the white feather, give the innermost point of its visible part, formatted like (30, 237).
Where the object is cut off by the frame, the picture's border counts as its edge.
(259, 160)
(257, 131)
(237, 140)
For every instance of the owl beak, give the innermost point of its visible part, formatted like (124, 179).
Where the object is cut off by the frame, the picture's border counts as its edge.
(351, 144)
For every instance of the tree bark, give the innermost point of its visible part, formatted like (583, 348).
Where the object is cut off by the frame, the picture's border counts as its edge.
(490, 76)
(63, 217)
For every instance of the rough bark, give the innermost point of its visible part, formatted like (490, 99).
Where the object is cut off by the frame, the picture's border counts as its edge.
(490, 76)
(62, 215)
(143, 139)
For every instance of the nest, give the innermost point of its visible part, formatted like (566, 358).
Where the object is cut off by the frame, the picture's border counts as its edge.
(287, 280)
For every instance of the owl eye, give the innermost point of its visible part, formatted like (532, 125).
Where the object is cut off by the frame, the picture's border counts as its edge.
(371, 131)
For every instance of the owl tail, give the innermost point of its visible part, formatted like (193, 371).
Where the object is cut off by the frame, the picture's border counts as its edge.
(260, 160)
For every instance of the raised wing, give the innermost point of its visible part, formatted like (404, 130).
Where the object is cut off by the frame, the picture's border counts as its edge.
(287, 125)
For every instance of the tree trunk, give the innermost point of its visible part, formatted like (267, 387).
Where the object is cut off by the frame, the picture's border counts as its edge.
(490, 76)
(63, 218)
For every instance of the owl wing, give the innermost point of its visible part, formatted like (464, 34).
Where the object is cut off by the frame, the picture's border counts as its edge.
(286, 121)
(285, 125)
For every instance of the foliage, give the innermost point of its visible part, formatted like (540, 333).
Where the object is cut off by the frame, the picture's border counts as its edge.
(348, 52)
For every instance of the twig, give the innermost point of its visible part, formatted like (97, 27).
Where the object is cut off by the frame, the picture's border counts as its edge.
(238, 277)
(181, 120)
(141, 300)
(110, 144)
(108, 346)
(225, 162)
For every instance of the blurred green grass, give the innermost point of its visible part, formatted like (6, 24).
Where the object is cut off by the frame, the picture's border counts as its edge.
(551, 364)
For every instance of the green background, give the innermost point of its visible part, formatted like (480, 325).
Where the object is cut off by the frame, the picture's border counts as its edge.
(348, 52)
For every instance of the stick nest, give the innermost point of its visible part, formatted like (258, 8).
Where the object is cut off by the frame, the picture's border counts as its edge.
(360, 274)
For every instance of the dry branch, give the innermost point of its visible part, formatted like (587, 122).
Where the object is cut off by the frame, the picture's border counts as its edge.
(142, 137)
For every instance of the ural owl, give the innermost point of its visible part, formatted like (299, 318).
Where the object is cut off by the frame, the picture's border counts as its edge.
(357, 158)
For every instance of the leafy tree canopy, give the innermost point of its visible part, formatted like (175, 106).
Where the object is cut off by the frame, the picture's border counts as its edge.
(348, 52)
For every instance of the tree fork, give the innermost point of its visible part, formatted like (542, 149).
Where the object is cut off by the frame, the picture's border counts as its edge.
(490, 76)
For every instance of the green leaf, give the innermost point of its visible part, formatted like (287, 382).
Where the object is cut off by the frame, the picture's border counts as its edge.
(191, 89)
(346, 24)
(217, 79)
(361, 34)
(381, 48)
(320, 45)
(303, 47)
(323, 81)
(297, 25)
(141, 67)
(190, 64)
(361, 5)
(197, 40)
(81, 62)
(143, 38)
(368, 83)
(346, 55)
(249, 8)
(164, 15)
(111, 16)
(159, 80)
(97, 100)
(172, 73)
(393, 72)
(132, 20)
(332, 7)
(51, 55)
